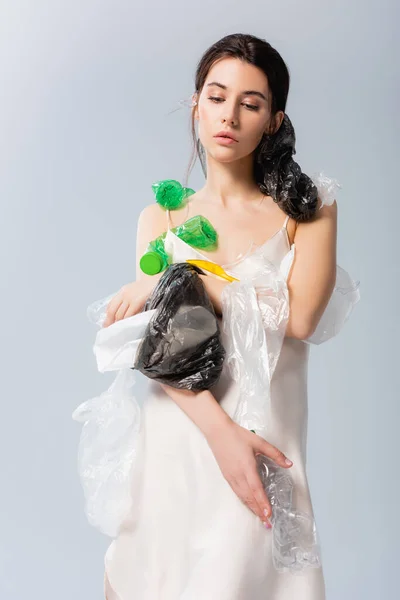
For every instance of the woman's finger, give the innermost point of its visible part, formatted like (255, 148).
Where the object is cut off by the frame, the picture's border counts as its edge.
(132, 310)
(111, 310)
(260, 495)
(123, 307)
(242, 490)
(264, 447)
(246, 495)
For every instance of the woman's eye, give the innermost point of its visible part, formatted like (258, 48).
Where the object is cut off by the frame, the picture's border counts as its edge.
(218, 100)
(251, 106)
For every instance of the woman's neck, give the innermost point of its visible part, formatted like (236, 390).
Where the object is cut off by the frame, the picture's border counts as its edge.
(230, 183)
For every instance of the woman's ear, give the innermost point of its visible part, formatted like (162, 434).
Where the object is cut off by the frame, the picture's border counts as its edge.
(280, 115)
(195, 100)
(275, 123)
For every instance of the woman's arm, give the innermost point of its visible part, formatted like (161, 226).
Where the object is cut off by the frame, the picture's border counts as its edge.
(313, 273)
(234, 448)
(201, 407)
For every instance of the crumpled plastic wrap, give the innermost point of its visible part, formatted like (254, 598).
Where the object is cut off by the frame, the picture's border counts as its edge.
(344, 297)
(327, 188)
(108, 452)
(255, 315)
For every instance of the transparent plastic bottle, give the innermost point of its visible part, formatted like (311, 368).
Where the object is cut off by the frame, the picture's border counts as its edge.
(295, 543)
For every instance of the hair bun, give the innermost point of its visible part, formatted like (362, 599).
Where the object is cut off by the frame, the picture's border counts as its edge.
(279, 176)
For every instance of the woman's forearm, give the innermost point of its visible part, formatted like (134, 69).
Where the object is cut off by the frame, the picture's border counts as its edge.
(201, 407)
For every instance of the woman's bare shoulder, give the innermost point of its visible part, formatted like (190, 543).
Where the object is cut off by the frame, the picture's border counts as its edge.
(155, 218)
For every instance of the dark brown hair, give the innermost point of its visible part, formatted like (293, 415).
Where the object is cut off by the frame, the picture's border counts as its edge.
(275, 172)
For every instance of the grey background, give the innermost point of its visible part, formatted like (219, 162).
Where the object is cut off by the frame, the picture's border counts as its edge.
(85, 90)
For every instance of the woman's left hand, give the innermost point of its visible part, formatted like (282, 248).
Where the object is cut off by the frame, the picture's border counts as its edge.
(130, 299)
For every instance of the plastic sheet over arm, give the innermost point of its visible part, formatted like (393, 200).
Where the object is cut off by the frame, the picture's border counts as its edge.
(255, 315)
(346, 292)
(327, 188)
(344, 297)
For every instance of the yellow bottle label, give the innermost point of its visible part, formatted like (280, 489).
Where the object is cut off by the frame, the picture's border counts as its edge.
(213, 268)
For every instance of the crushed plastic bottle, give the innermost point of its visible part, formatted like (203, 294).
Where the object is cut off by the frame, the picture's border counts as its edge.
(196, 231)
(170, 194)
(294, 534)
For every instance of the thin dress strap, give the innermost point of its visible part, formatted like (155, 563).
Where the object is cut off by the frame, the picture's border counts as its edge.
(286, 222)
(169, 224)
(168, 219)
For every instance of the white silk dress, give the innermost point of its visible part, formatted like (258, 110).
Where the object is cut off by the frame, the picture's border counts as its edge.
(188, 536)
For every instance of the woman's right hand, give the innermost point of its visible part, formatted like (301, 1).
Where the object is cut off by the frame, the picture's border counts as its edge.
(130, 299)
(235, 449)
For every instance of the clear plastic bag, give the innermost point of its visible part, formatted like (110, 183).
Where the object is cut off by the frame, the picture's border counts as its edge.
(344, 297)
(255, 315)
(109, 451)
(327, 188)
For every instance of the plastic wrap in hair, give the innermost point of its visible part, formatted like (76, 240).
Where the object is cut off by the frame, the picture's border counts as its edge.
(279, 176)
(182, 344)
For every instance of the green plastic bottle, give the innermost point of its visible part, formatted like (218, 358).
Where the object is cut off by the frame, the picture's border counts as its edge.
(196, 231)
(170, 193)
(155, 259)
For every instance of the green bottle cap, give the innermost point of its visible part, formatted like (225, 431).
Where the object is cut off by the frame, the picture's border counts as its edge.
(151, 263)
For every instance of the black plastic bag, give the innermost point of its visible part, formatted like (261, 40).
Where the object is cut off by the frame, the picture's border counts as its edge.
(182, 345)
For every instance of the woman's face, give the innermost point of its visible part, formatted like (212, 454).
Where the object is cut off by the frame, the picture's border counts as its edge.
(235, 98)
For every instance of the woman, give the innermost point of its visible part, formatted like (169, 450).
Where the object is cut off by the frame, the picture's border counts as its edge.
(200, 523)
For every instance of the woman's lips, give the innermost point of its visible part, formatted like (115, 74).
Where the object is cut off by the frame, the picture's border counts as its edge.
(225, 141)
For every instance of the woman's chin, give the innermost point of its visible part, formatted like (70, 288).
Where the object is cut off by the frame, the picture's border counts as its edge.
(225, 154)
